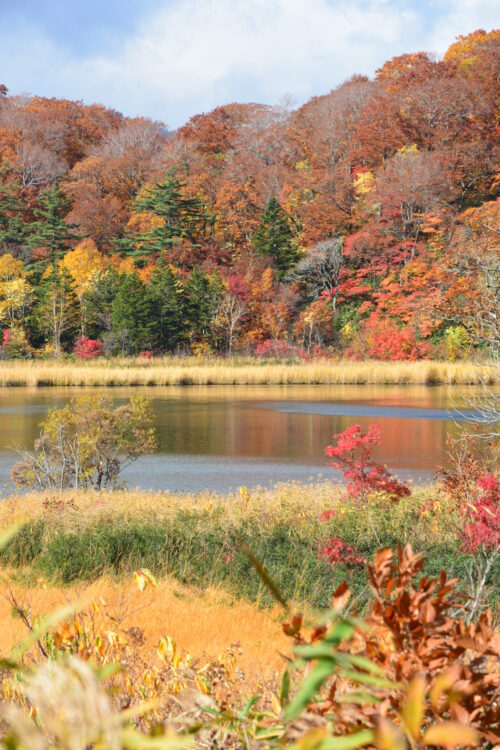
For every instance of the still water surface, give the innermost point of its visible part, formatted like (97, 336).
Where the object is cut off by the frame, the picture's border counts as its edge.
(221, 437)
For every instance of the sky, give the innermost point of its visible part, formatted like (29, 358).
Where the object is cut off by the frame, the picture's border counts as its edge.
(171, 59)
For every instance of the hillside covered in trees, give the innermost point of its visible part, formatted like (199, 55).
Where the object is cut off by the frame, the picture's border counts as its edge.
(363, 224)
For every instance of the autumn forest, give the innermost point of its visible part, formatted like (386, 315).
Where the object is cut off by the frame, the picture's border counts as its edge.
(362, 224)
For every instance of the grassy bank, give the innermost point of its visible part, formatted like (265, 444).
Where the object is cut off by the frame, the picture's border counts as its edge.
(192, 371)
(199, 540)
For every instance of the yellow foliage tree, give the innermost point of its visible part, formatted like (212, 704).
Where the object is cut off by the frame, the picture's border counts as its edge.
(363, 186)
(82, 264)
(16, 293)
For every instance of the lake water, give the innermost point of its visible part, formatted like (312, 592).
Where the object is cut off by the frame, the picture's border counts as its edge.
(221, 437)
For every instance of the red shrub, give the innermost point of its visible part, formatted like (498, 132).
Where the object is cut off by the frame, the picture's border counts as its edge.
(86, 348)
(363, 475)
(317, 352)
(381, 339)
(482, 529)
(6, 338)
(327, 514)
(394, 344)
(335, 551)
(273, 348)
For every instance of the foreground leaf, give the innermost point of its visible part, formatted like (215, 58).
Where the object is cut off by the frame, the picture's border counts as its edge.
(451, 734)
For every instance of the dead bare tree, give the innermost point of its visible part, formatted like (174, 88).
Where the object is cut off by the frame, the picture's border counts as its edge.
(230, 314)
(319, 269)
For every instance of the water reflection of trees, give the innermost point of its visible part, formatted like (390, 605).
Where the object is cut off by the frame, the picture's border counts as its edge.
(234, 422)
(240, 430)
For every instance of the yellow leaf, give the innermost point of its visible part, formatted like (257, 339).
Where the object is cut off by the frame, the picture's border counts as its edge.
(451, 734)
(167, 647)
(413, 709)
(443, 684)
(203, 685)
(312, 739)
(275, 704)
(143, 578)
(389, 737)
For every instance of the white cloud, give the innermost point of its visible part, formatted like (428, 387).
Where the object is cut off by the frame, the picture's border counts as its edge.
(191, 55)
(461, 17)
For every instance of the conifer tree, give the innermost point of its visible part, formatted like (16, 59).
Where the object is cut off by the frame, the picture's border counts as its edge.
(202, 299)
(168, 307)
(132, 315)
(180, 218)
(98, 303)
(274, 238)
(52, 231)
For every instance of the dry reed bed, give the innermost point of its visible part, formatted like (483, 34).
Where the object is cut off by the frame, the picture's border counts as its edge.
(175, 372)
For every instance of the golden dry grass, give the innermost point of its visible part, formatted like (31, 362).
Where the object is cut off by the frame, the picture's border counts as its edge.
(192, 371)
(203, 623)
(76, 508)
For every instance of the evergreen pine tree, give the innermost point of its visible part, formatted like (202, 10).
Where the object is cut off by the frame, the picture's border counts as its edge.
(202, 299)
(98, 302)
(51, 230)
(274, 238)
(167, 301)
(181, 220)
(132, 316)
(12, 229)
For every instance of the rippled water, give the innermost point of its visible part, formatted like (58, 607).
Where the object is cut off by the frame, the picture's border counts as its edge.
(220, 437)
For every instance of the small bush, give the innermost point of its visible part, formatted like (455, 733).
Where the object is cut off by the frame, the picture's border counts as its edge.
(86, 348)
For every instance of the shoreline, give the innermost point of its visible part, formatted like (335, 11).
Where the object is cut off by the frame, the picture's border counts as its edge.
(188, 372)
